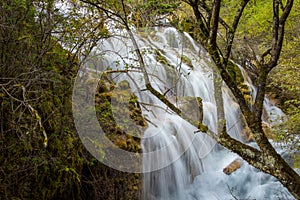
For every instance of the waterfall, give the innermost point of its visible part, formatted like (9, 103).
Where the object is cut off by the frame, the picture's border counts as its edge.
(179, 162)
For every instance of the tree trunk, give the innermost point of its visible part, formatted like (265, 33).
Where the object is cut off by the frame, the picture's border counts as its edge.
(286, 175)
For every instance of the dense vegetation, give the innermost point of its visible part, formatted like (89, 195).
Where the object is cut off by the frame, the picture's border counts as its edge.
(41, 154)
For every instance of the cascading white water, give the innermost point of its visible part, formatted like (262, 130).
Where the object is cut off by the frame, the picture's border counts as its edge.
(181, 164)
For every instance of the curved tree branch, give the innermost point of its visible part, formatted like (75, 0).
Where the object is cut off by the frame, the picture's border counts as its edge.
(278, 30)
(232, 30)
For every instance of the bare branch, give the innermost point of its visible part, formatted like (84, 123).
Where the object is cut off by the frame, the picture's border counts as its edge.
(267, 52)
(200, 19)
(214, 23)
(278, 30)
(232, 30)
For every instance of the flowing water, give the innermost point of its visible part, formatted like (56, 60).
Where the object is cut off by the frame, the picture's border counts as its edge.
(180, 163)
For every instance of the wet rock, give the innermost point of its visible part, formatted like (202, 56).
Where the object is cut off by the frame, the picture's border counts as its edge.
(233, 166)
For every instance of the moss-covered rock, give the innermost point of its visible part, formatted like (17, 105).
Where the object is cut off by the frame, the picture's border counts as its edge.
(120, 115)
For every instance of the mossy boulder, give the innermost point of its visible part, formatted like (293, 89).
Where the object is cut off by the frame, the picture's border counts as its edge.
(120, 115)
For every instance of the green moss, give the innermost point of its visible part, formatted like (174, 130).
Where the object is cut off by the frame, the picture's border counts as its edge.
(187, 61)
(161, 59)
(122, 121)
(235, 72)
(296, 161)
